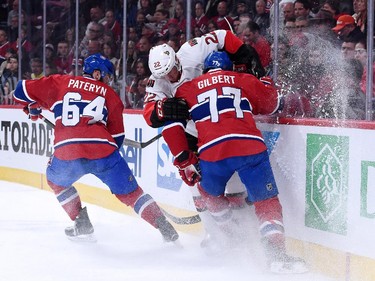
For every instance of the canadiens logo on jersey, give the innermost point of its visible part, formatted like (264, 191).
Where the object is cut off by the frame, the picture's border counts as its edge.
(150, 83)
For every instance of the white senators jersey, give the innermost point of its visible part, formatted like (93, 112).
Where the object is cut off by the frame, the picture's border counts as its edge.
(191, 55)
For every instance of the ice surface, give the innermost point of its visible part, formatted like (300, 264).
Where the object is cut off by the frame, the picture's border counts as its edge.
(33, 247)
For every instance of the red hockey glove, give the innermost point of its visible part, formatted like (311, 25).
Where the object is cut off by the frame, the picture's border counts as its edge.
(172, 109)
(33, 110)
(188, 166)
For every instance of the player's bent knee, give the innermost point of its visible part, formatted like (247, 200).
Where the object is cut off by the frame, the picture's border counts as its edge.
(131, 198)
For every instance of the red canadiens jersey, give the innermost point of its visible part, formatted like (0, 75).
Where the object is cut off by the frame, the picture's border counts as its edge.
(88, 114)
(222, 104)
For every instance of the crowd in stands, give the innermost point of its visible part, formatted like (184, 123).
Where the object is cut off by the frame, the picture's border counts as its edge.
(321, 52)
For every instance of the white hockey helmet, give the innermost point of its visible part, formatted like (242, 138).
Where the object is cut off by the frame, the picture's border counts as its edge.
(162, 59)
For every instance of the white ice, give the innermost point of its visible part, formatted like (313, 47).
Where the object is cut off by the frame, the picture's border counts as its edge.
(33, 247)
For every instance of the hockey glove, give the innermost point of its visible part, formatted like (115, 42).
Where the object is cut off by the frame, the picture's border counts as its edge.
(188, 166)
(172, 109)
(246, 59)
(33, 110)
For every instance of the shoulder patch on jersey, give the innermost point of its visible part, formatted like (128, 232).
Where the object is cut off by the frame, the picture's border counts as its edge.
(150, 83)
(193, 42)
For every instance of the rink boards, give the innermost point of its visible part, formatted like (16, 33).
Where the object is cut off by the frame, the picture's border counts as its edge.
(325, 172)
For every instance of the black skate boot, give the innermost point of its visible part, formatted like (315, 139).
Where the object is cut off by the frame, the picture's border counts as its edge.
(82, 230)
(167, 230)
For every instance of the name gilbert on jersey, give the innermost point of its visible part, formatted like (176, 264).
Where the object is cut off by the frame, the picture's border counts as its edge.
(229, 79)
(87, 86)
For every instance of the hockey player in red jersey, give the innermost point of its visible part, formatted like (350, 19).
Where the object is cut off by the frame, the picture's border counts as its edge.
(222, 104)
(169, 71)
(88, 133)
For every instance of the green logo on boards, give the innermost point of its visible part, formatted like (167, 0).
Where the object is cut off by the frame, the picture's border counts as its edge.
(368, 189)
(327, 160)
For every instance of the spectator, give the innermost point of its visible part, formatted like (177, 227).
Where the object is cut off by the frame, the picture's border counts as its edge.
(141, 72)
(360, 54)
(50, 53)
(302, 8)
(223, 20)
(261, 17)
(62, 19)
(332, 6)
(36, 66)
(94, 31)
(242, 7)
(139, 98)
(321, 25)
(174, 43)
(13, 12)
(4, 43)
(70, 39)
(131, 56)
(211, 26)
(141, 20)
(145, 6)
(109, 52)
(288, 12)
(97, 14)
(182, 38)
(63, 61)
(346, 29)
(79, 68)
(347, 50)
(301, 23)
(161, 19)
(252, 37)
(132, 34)
(13, 28)
(346, 101)
(179, 14)
(236, 28)
(316, 78)
(360, 14)
(8, 80)
(50, 69)
(168, 5)
(143, 47)
(149, 31)
(94, 47)
(112, 25)
(173, 30)
(201, 20)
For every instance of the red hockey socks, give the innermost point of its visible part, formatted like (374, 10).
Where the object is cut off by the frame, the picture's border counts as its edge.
(143, 204)
(269, 213)
(68, 198)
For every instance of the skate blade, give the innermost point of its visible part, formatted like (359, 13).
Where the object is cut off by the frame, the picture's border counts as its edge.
(178, 244)
(85, 238)
(288, 268)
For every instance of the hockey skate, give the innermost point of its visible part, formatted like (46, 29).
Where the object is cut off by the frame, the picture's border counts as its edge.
(285, 264)
(281, 263)
(167, 230)
(82, 230)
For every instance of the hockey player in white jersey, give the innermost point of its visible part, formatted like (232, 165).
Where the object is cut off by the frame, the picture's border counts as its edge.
(170, 70)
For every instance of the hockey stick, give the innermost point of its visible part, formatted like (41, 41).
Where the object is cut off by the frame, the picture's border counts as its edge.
(183, 220)
(127, 142)
(137, 144)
